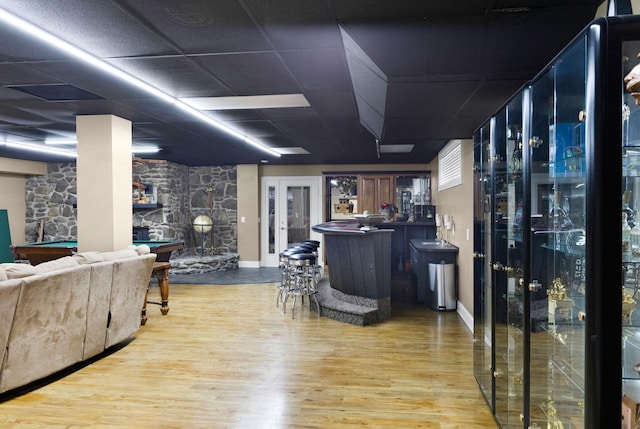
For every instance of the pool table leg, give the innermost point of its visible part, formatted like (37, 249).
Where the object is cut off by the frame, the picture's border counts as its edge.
(161, 272)
(143, 315)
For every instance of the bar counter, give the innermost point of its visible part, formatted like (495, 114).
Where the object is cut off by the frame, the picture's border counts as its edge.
(359, 259)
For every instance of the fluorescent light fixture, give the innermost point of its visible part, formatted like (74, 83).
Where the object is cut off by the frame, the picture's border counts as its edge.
(40, 149)
(70, 49)
(247, 102)
(396, 148)
(291, 150)
(144, 149)
(74, 142)
(62, 142)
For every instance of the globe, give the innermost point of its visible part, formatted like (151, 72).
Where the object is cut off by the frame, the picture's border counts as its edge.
(202, 224)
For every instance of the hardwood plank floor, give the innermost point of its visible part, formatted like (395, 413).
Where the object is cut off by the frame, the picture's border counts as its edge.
(226, 357)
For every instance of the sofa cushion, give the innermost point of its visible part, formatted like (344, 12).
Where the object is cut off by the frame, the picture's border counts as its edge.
(3, 275)
(49, 325)
(56, 264)
(15, 271)
(88, 257)
(119, 254)
(142, 249)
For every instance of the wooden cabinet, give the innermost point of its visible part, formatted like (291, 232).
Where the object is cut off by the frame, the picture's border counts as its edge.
(374, 190)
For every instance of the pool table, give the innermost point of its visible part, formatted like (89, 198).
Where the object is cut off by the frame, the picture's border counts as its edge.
(43, 251)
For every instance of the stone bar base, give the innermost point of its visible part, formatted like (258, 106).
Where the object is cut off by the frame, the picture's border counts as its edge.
(351, 309)
(197, 264)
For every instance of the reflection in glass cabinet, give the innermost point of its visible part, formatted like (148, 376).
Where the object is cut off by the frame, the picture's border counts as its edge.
(557, 243)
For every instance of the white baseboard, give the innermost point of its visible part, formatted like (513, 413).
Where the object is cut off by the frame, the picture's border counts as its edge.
(248, 264)
(467, 318)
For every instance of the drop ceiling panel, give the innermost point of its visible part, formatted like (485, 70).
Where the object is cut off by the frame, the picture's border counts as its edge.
(415, 100)
(319, 69)
(99, 27)
(19, 74)
(312, 131)
(252, 74)
(462, 127)
(297, 113)
(90, 79)
(238, 115)
(203, 26)
(399, 9)
(405, 130)
(489, 96)
(179, 76)
(334, 104)
(16, 47)
(259, 129)
(294, 24)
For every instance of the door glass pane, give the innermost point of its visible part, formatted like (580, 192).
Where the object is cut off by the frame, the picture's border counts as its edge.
(558, 242)
(272, 219)
(298, 214)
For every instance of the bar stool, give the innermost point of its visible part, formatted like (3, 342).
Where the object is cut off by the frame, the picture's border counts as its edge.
(286, 272)
(302, 281)
(317, 267)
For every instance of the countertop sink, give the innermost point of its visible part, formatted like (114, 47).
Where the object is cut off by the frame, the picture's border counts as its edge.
(433, 245)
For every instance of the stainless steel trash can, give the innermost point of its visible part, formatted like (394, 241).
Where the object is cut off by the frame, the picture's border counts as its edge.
(442, 282)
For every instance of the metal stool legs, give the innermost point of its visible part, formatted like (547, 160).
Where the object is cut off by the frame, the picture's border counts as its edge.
(299, 276)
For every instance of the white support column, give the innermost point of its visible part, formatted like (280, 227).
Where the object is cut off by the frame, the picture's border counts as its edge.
(104, 182)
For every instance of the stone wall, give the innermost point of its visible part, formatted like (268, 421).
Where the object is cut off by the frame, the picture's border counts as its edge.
(171, 220)
(183, 193)
(51, 199)
(213, 192)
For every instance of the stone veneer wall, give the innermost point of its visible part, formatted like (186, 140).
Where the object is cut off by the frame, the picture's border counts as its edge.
(213, 191)
(51, 197)
(184, 193)
(172, 183)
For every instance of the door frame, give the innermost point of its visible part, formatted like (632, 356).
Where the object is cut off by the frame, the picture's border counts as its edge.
(315, 212)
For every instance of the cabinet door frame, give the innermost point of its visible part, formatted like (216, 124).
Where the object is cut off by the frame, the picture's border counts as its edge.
(374, 190)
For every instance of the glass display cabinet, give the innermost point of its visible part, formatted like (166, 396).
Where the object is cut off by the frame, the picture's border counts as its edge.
(556, 334)
(483, 288)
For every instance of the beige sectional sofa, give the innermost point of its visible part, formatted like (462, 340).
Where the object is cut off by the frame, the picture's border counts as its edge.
(62, 312)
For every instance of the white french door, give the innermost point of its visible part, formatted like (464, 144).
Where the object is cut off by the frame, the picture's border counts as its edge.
(290, 207)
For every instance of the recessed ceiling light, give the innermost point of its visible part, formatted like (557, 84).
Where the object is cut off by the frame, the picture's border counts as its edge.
(247, 102)
(396, 148)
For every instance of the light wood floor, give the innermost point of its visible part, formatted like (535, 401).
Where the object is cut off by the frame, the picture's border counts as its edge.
(225, 357)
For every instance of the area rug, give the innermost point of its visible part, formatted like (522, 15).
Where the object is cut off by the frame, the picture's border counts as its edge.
(229, 277)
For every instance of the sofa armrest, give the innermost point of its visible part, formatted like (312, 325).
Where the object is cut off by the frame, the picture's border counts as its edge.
(131, 278)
